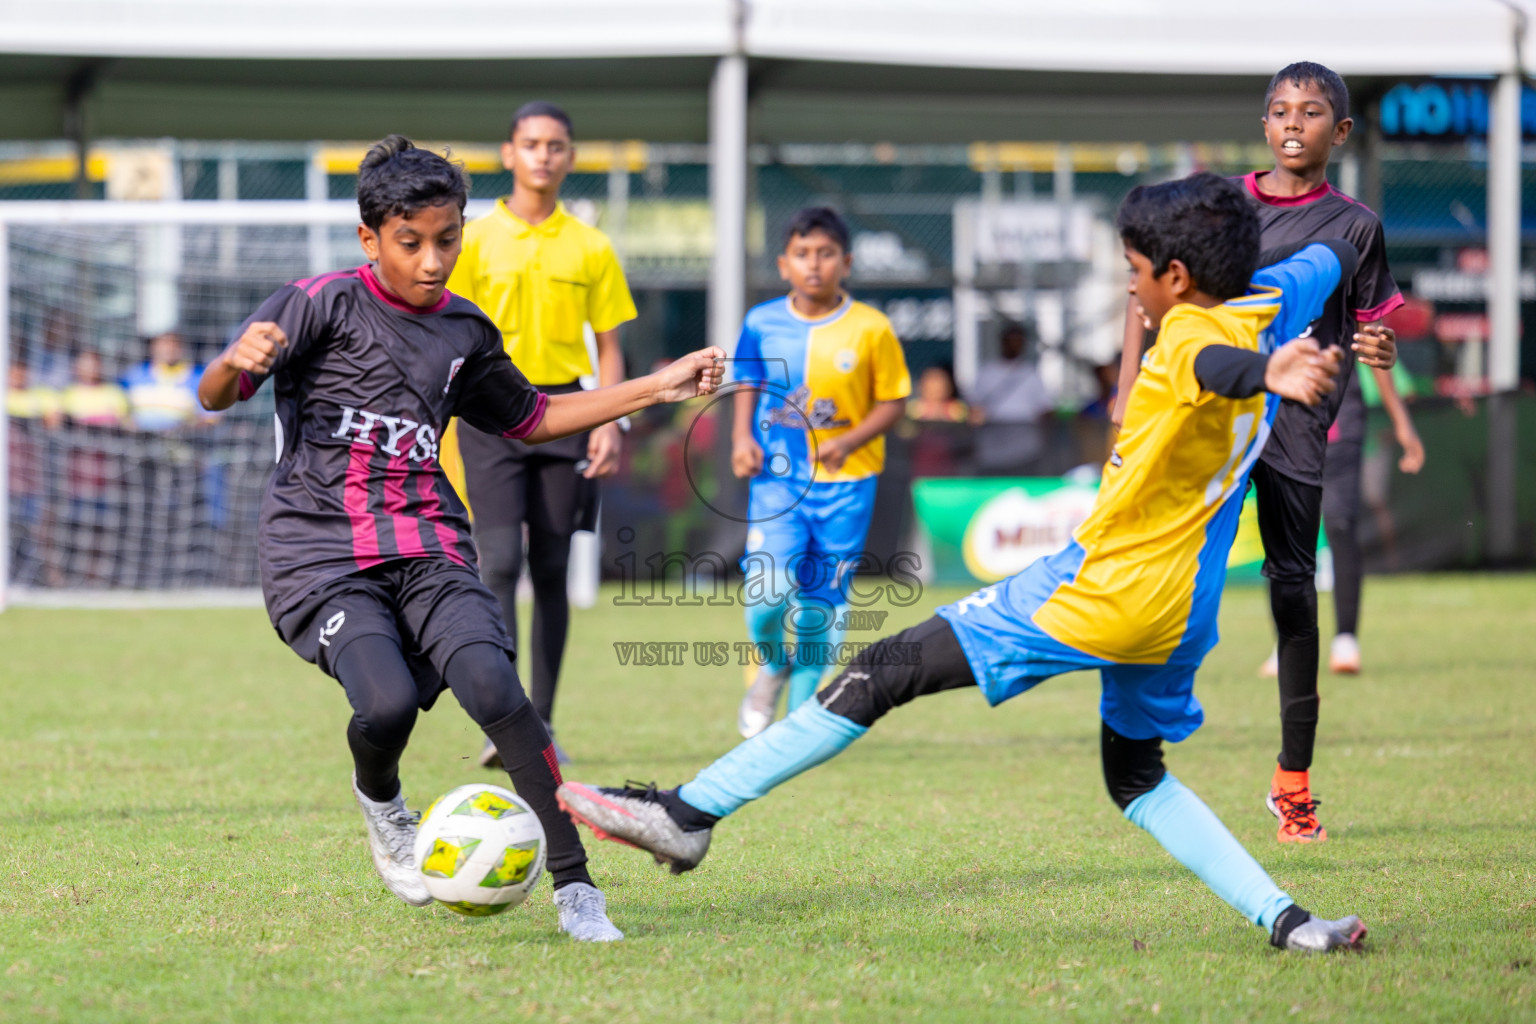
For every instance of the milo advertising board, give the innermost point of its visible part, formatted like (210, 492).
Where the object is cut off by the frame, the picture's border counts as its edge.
(981, 530)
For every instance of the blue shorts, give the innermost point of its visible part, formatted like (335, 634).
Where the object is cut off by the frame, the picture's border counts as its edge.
(825, 522)
(1009, 654)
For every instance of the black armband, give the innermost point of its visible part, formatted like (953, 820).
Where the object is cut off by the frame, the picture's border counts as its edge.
(1230, 371)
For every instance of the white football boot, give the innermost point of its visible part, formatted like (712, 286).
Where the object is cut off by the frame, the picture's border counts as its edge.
(584, 914)
(1344, 655)
(392, 839)
(761, 700)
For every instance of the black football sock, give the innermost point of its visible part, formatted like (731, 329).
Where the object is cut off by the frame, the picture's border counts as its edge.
(688, 817)
(1295, 610)
(529, 758)
(378, 770)
(1286, 923)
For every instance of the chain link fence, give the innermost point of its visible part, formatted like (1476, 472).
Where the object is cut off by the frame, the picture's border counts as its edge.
(914, 214)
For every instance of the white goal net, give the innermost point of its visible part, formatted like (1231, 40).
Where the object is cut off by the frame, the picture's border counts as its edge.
(115, 480)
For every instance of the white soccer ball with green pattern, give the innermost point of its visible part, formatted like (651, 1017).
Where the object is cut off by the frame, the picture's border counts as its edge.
(480, 849)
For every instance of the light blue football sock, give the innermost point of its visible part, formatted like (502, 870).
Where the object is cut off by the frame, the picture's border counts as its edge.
(765, 628)
(808, 672)
(801, 740)
(1190, 831)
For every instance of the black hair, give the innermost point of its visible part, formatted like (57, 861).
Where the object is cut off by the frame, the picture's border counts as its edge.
(818, 218)
(1304, 73)
(1204, 221)
(397, 179)
(540, 108)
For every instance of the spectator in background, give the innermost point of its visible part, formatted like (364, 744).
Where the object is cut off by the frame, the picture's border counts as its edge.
(26, 401)
(936, 397)
(90, 401)
(162, 392)
(934, 435)
(28, 407)
(1105, 378)
(93, 470)
(1010, 405)
(51, 368)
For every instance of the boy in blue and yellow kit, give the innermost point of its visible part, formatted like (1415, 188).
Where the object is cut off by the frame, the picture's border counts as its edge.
(1134, 595)
(821, 378)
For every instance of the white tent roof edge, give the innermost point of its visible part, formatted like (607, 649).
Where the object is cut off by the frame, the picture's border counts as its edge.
(1124, 36)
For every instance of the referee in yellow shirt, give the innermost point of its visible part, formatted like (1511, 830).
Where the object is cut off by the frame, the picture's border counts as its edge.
(541, 275)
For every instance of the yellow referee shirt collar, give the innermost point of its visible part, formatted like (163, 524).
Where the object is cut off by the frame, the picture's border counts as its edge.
(548, 226)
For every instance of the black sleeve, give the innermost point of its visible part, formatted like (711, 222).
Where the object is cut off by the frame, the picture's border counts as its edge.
(1372, 293)
(294, 311)
(1230, 371)
(495, 396)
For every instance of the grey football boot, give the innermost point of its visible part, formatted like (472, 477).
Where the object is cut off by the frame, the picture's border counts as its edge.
(1302, 932)
(584, 913)
(392, 840)
(635, 816)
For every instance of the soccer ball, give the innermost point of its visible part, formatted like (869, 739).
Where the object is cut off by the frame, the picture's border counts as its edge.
(480, 850)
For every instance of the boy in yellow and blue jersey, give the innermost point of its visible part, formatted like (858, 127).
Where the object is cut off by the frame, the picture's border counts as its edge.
(821, 378)
(1134, 595)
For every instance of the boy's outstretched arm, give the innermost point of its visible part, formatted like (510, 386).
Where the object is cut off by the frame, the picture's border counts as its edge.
(1297, 370)
(697, 373)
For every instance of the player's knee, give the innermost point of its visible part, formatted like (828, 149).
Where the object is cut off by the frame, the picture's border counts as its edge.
(484, 682)
(500, 563)
(1131, 767)
(1294, 604)
(869, 686)
(549, 564)
(386, 723)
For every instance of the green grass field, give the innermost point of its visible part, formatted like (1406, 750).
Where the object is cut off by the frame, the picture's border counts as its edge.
(181, 842)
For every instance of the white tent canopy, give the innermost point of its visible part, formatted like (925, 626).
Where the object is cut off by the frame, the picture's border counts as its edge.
(1356, 37)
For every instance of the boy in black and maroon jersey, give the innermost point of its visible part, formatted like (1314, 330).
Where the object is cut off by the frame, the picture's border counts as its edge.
(367, 565)
(1306, 114)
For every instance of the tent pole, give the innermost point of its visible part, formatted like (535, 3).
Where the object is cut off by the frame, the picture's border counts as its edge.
(728, 198)
(1504, 166)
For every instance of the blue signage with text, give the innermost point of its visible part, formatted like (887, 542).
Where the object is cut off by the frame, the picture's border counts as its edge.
(1447, 109)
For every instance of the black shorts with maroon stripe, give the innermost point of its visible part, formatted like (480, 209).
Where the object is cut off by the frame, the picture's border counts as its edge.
(430, 606)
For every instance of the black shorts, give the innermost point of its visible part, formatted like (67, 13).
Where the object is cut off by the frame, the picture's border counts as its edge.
(1341, 483)
(430, 606)
(1290, 515)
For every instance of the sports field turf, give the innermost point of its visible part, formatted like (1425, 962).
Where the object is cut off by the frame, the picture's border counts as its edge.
(181, 842)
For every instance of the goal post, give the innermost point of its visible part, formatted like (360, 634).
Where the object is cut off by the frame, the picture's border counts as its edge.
(114, 494)
(100, 503)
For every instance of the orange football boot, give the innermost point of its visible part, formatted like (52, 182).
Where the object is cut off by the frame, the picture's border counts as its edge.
(1290, 800)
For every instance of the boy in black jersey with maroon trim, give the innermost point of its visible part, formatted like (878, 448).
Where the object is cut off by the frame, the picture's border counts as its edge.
(367, 565)
(1306, 114)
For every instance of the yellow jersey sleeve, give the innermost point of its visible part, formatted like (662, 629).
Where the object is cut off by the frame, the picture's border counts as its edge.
(609, 303)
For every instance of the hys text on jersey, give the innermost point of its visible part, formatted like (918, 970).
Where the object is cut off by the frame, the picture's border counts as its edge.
(394, 435)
